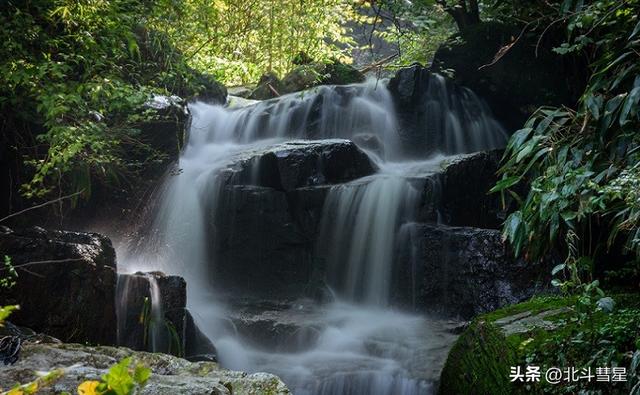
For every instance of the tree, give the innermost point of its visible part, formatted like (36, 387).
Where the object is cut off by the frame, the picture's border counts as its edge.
(465, 12)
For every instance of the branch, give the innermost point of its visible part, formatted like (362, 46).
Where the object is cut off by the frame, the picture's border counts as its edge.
(378, 63)
(41, 205)
(503, 51)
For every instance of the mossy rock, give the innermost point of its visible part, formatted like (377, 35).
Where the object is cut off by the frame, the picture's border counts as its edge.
(541, 332)
(306, 76)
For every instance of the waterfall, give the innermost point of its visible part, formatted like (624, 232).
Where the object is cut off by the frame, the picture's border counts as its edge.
(356, 344)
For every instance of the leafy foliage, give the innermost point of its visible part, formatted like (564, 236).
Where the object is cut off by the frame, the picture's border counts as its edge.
(238, 41)
(73, 78)
(582, 163)
(122, 378)
(418, 30)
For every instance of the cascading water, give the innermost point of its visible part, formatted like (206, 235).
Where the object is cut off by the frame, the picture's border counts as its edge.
(356, 344)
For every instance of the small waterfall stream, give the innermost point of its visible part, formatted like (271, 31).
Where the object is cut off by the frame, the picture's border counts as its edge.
(356, 343)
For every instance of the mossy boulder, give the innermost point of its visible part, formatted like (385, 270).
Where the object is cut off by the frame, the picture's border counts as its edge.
(545, 332)
(306, 76)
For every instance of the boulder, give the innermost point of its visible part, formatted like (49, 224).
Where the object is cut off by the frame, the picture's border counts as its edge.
(170, 375)
(136, 298)
(436, 115)
(298, 164)
(174, 330)
(266, 220)
(306, 76)
(208, 89)
(66, 283)
(268, 87)
(459, 194)
(463, 271)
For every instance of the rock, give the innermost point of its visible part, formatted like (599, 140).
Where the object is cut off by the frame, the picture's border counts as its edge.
(133, 291)
(176, 332)
(300, 163)
(459, 194)
(79, 269)
(266, 220)
(464, 271)
(170, 375)
(268, 87)
(528, 76)
(337, 73)
(436, 115)
(208, 89)
(480, 360)
(281, 326)
(309, 75)
(306, 76)
(240, 91)
(197, 346)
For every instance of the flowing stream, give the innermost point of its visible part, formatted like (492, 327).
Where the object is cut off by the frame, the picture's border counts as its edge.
(356, 342)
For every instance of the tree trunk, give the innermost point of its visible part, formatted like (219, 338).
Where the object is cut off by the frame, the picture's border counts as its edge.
(464, 13)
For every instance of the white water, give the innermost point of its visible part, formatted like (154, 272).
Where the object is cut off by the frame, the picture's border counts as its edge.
(356, 344)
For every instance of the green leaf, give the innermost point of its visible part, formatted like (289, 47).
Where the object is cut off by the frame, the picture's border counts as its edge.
(141, 374)
(557, 268)
(505, 183)
(630, 106)
(594, 104)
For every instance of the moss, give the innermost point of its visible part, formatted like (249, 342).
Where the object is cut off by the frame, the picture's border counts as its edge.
(479, 362)
(337, 73)
(535, 305)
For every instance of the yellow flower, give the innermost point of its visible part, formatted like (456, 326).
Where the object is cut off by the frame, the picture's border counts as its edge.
(88, 388)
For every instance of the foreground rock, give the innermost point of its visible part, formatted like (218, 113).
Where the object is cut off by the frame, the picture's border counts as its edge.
(464, 271)
(545, 331)
(66, 284)
(266, 220)
(170, 375)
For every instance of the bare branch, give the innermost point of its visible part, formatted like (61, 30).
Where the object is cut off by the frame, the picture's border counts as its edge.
(41, 205)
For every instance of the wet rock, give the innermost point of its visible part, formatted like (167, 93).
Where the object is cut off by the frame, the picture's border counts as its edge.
(209, 90)
(240, 91)
(66, 285)
(197, 346)
(282, 326)
(170, 375)
(459, 194)
(300, 163)
(266, 220)
(464, 271)
(259, 246)
(135, 297)
(436, 115)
